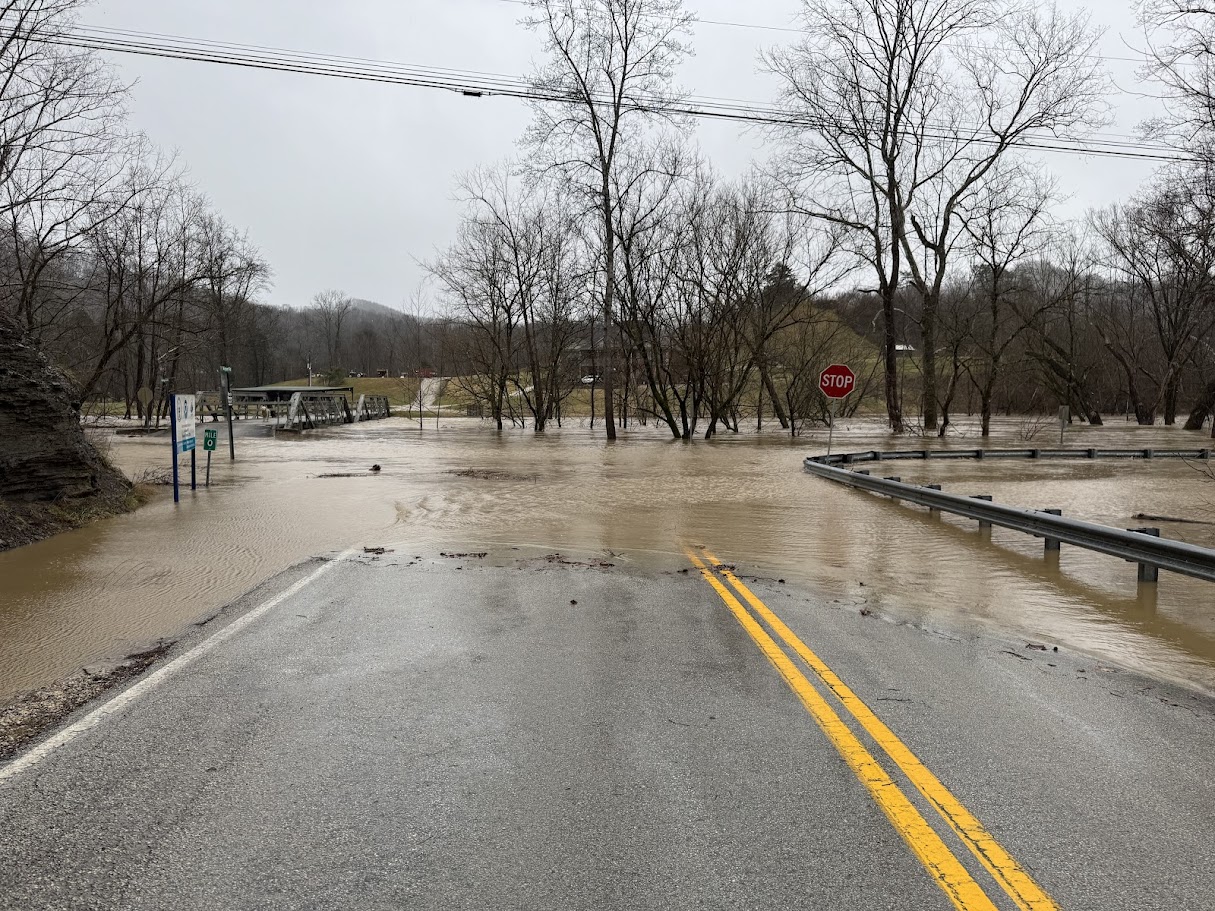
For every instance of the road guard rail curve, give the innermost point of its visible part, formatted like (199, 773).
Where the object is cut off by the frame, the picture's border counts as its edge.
(1135, 546)
(877, 455)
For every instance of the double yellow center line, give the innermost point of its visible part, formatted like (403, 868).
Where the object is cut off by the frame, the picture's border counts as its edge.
(940, 862)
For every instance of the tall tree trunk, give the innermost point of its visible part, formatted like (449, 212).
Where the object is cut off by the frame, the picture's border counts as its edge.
(951, 391)
(609, 288)
(145, 414)
(1172, 389)
(777, 407)
(894, 410)
(1202, 407)
(985, 410)
(928, 327)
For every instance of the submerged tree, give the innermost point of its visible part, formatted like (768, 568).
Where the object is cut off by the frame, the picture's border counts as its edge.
(901, 108)
(609, 69)
(1161, 248)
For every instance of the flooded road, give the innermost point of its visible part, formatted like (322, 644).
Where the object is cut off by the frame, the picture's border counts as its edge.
(123, 583)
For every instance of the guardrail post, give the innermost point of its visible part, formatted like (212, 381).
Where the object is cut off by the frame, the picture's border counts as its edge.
(1175, 556)
(1204, 454)
(983, 524)
(1052, 543)
(1147, 453)
(932, 510)
(1092, 453)
(1147, 572)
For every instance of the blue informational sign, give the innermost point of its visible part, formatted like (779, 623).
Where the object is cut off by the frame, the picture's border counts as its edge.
(181, 414)
(184, 434)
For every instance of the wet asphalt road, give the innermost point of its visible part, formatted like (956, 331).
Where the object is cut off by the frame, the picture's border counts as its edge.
(448, 734)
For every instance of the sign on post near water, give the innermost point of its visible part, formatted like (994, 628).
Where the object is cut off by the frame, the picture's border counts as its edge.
(210, 439)
(185, 438)
(835, 382)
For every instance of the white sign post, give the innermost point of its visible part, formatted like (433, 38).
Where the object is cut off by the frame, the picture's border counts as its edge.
(184, 439)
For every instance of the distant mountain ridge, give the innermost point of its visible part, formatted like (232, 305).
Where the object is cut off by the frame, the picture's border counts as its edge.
(373, 307)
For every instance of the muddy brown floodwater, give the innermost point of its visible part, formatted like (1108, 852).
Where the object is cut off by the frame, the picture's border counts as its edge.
(122, 584)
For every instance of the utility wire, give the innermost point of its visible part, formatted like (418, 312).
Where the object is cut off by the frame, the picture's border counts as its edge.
(473, 83)
(380, 66)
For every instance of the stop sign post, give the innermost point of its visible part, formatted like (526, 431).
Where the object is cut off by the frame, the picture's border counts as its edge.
(835, 383)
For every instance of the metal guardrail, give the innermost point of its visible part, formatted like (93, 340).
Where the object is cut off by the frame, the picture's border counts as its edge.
(1133, 545)
(877, 455)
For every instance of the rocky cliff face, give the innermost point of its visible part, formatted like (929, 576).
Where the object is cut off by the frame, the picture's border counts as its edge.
(45, 459)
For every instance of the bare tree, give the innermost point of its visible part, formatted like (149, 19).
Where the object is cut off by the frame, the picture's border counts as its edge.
(328, 313)
(1005, 224)
(609, 68)
(1065, 345)
(1162, 248)
(59, 104)
(231, 271)
(60, 151)
(545, 273)
(144, 256)
(1180, 39)
(47, 211)
(902, 107)
(656, 314)
(474, 276)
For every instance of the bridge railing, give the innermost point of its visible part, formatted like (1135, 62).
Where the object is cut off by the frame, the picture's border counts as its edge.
(309, 410)
(372, 408)
(1140, 546)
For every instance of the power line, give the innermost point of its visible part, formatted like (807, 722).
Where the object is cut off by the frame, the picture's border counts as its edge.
(475, 83)
(102, 33)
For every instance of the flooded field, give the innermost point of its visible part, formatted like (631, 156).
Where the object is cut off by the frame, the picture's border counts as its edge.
(121, 584)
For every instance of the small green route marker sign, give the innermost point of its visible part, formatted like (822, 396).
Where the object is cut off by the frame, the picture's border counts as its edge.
(210, 440)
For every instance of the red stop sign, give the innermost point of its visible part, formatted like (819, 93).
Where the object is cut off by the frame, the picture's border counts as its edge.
(837, 381)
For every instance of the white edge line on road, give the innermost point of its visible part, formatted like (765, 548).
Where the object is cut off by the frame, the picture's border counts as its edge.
(127, 696)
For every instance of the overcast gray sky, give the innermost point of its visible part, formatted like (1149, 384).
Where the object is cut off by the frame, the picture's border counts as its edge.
(347, 185)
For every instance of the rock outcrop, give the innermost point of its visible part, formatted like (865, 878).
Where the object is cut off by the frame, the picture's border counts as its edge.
(45, 461)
